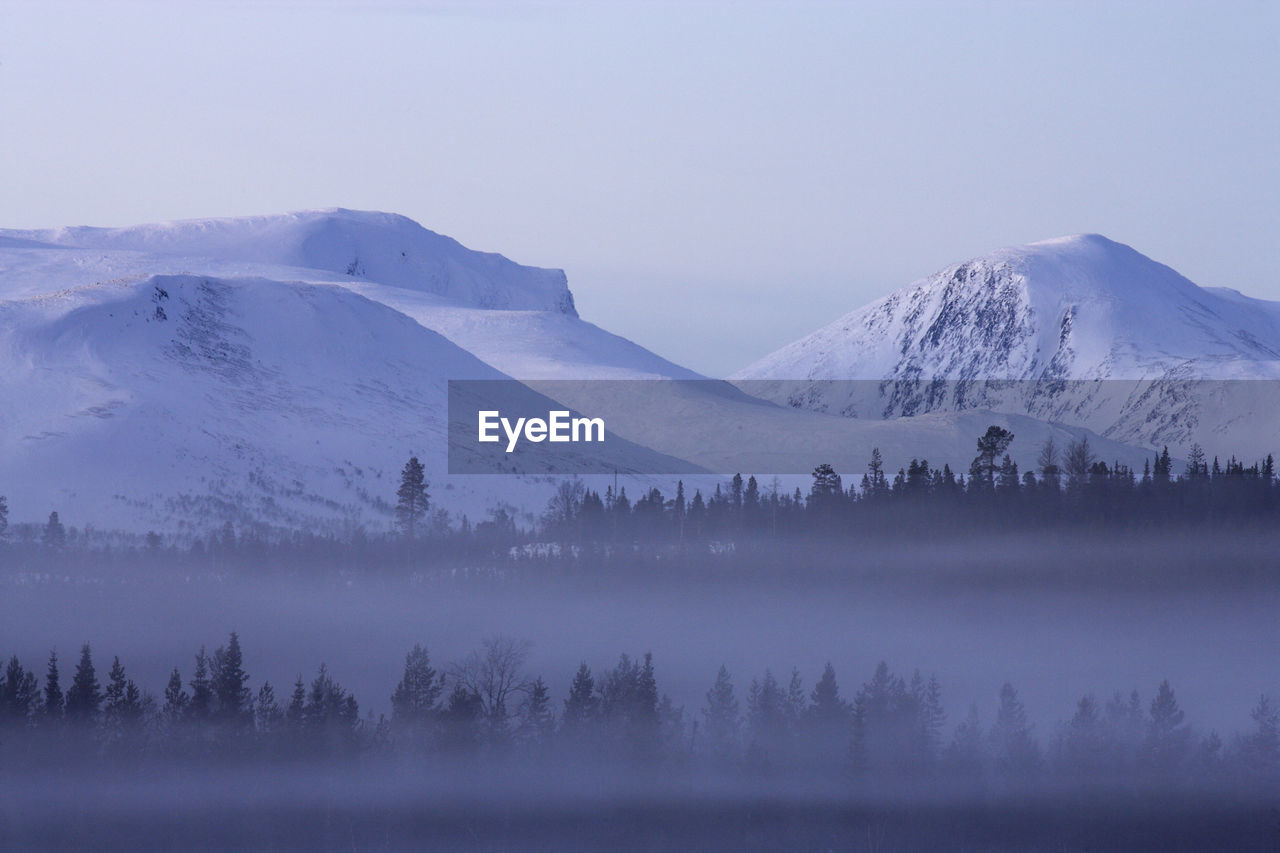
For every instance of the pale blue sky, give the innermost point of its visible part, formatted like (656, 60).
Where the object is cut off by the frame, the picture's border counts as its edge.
(717, 179)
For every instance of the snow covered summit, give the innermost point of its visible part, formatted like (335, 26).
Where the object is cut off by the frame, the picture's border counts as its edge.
(382, 247)
(1089, 331)
(1081, 307)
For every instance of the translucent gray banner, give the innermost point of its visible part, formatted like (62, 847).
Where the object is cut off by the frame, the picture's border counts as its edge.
(565, 427)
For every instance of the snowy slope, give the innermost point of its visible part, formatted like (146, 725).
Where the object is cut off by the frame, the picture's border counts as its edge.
(519, 319)
(317, 375)
(189, 400)
(382, 247)
(1090, 331)
(283, 368)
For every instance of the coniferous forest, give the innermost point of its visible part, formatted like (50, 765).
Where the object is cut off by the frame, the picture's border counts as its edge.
(486, 719)
(617, 747)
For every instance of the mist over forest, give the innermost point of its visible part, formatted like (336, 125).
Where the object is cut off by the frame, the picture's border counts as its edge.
(1035, 661)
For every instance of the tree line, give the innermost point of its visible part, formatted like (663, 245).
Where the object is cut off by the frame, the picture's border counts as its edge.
(1068, 487)
(487, 707)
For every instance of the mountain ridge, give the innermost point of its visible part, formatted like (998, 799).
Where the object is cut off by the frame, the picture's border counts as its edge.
(1080, 309)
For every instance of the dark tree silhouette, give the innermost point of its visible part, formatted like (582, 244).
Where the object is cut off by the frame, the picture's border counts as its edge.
(84, 698)
(721, 719)
(412, 499)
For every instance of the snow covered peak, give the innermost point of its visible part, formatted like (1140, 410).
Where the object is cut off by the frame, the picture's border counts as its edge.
(385, 248)
(1080, 307)
(1073, 308)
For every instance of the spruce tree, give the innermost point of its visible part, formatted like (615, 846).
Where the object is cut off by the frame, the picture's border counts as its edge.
(1012, 746)
(537, 722)
(1167, 738)
(122, 711)
(295, 714)
(414, 701)
(721, 720)
(229, 682)
(967, 752)
(267, 714)
(19, 694)
(84, 698)
(201, 688)
(582, 707)
(176, 700)
(826, 705)
(933, 717)
(53, 699)
(412, 499)
(768, 721)
(55, 535)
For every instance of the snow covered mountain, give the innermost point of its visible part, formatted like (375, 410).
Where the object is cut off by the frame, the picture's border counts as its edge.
(186, 399)
(281, 369)
(381, 247)
(1081, 330)
(518, 318)
(276, 368)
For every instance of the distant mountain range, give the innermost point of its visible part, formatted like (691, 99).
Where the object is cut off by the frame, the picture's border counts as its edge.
(280, 369)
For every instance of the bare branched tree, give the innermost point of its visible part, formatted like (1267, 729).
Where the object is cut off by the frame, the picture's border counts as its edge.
(1047, 462)
(1079, 459)
(495, 673)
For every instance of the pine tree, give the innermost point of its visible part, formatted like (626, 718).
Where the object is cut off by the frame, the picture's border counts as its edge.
(412, 499)
(19, 695)
(267, 715)
(1261, 749)
(176, 700)
(1163, 469)
(53, 700)
(1197, 468)
(751, 499)
(331, 712)
(84, 698)
(967, 753)
(536, 720)
(1013, 748)
(827, 708)
(877, 484)
(201, 688)
(55, 535)
(826, 486)
(295, 715)
(1083, 747)
(229, 683)
(122, 710)
(991, 446)
(461, 720)
(1167, 738)
(735, 494)
(1008, 483)
(796, 701)
(932, 717)
(414, 701)
(767, 720)
(721, 721)
(4, 517)
(582, 707)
